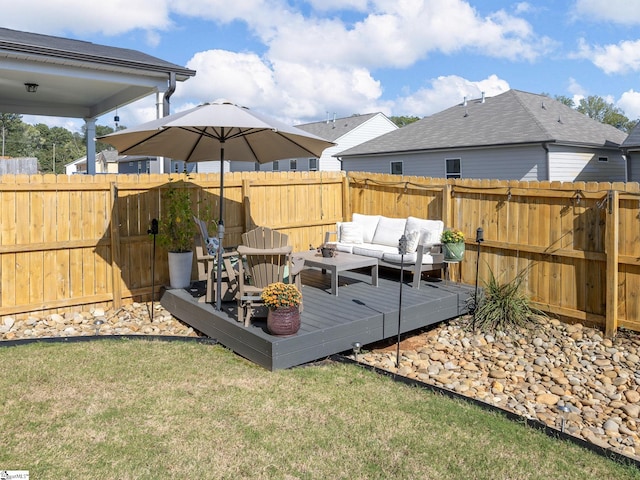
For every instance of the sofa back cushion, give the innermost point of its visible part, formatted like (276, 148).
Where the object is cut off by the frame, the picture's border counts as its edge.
(430, 230)
(389, 231)
(351, 232)
(368, 223)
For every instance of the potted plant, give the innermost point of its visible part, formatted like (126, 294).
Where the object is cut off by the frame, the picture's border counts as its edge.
(452, 245)
(176, 232)
(283, 301)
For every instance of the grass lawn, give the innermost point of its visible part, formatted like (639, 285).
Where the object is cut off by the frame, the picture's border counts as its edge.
(136, 409)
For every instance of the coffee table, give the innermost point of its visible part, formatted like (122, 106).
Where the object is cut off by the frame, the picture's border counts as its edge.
(341, 262)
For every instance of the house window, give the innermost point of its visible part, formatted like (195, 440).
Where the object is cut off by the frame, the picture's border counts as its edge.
(603, 159)
(396, 168)
(452, 168)
(313, 164)
(293, 164)
(276, 166)
(131, 164)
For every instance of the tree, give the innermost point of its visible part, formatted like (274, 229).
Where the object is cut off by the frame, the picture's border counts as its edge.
(568, 101)
(597, 108)
(402, 121)
(11, 131)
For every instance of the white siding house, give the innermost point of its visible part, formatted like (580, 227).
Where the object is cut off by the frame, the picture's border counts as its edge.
(345, 132)
(512, 136)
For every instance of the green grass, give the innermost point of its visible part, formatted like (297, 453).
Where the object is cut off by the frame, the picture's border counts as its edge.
(134, 409)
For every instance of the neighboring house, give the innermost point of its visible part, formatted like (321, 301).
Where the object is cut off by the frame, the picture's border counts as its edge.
(514, 135)
(344, 132)
(631, 149)
(108, 161)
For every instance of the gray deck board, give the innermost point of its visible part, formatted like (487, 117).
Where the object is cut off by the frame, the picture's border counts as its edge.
(329, 324)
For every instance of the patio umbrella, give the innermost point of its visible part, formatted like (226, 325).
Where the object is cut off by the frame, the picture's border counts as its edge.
(221, 131)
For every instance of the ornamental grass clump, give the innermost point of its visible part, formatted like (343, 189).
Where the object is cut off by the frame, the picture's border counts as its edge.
(501, 307)
(278, 295)
(452, 236)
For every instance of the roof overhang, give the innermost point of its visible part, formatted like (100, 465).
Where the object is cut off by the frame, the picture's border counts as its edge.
(606, 146)
(73, 84)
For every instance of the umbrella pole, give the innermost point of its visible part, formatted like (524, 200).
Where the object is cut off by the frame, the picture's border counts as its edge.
(220, 232)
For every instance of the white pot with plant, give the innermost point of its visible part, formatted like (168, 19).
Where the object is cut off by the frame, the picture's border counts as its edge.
(176, 234)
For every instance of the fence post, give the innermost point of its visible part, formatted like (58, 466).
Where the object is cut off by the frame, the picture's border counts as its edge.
(446, 205)
(611, 250)
(246, 203)
(116, 273)
(346, 199)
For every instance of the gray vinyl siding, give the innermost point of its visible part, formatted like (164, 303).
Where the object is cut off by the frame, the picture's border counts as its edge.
(633, 166)
(570, 164)
(522, 163)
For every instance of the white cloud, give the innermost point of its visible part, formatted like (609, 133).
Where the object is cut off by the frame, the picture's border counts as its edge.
(297, 92)
(611, 59)
(398, 34)
(81, 17)
(446, 91)
(577, 91)
(624, 12)
(630, 104)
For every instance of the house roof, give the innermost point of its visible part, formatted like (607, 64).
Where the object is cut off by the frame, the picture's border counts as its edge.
(333, 129)
(513, 117)
(633, 140)
(75, 78)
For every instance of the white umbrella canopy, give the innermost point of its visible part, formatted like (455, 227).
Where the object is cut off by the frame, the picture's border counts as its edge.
(213, 130)
(220, 131)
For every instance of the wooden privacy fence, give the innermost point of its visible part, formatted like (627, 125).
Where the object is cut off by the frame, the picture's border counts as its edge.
(73, 241)
(577, 244)
(76, 241)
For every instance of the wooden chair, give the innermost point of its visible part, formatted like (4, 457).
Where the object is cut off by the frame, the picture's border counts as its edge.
(268, 259)
(206, 264)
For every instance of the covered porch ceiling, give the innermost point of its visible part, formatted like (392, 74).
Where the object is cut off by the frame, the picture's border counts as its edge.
(75, 78)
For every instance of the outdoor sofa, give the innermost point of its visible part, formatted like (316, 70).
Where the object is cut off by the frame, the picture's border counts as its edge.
(378, 236)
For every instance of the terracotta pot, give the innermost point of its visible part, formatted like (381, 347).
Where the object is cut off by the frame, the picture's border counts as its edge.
(283, 321)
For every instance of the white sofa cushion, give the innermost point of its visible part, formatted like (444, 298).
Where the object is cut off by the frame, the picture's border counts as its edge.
(351, 232)
(413, 239)
(430, 230)
(389, 231)
(368, 223)
(428, 258)
(373, 250)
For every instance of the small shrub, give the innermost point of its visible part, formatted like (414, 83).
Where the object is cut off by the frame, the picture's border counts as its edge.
(501, 307)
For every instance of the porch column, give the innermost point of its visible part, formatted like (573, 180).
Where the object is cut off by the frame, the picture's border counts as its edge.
(90, 125)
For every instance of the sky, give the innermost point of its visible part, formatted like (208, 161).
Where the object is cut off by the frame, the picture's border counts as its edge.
(308, 60)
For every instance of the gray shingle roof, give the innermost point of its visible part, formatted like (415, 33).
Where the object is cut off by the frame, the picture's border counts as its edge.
(633, 140)
(58, 47)
(330, 130)
(513, 117)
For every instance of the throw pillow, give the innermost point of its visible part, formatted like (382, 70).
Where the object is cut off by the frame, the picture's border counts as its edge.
(212, 246)
(350, 233)
(429, 236)
(412, 241)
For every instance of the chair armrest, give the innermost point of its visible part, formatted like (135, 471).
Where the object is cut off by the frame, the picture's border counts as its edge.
(242, 250)
(327, 236)
(297, 265)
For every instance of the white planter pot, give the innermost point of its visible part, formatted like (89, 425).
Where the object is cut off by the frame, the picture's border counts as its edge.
(180, 269)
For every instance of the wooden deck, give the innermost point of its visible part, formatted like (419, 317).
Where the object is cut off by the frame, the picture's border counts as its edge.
(329, 324)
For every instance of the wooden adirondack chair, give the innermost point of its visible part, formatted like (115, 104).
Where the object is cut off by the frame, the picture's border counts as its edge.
(267, 257)
(206, 264)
